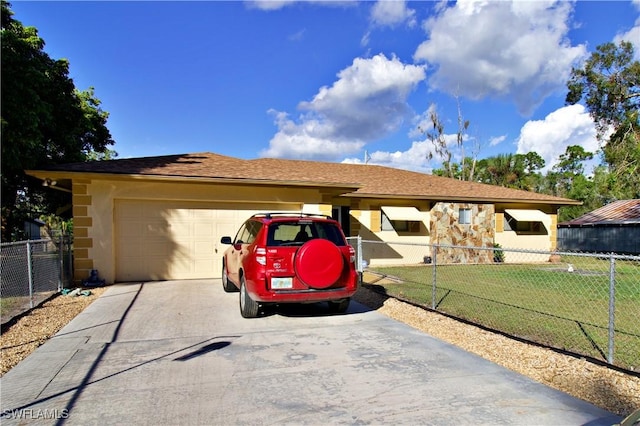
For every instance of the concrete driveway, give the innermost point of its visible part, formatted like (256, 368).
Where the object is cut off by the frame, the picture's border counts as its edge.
(168, 353)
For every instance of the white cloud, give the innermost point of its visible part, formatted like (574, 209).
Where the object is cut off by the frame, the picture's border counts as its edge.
(269, 4)
(570, 125)
(279, 4)
(364, 41)
(518, 51)
(366, 103)
(550, 137)
(633, 35)
(497, 140)
(298, 36)
(415, 158)
(389, 13)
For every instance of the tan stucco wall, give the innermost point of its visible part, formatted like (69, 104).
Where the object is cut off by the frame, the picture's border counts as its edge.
(401, 247)
(510, 239)
(94, 205)
(491, 228)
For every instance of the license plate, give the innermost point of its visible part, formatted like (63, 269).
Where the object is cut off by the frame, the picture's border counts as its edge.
(281, 282)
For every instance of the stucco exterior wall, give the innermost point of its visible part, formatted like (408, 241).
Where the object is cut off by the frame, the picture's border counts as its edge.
(512, 239)
(391, 247)
(94, 205)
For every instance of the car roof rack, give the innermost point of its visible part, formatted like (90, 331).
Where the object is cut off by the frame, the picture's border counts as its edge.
(270, 215)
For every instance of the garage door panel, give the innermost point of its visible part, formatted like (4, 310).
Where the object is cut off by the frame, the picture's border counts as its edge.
(131, 228)
(204, 228)
(157, 240)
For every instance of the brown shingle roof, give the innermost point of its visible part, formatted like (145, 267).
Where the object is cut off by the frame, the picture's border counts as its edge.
(622, 212)
(370, 180)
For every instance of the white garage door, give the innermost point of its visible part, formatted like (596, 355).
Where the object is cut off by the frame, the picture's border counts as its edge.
(161, 240)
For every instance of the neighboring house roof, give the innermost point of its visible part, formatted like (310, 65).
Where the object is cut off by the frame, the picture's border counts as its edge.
(623, 212)
(361, 180)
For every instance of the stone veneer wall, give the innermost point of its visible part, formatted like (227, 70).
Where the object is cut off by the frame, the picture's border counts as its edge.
(446, 229)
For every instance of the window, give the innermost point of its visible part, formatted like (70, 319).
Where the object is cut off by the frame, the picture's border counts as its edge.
(253, 228)
(240, 235)
(395, 225)
(464, 216)
(248, 232)
(291, 233)
(524, 227)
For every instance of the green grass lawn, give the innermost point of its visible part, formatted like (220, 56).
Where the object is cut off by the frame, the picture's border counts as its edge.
(544, 302)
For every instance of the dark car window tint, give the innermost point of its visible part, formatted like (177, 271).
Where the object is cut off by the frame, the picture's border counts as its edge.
(330, 232)
(294, 233)
(253, 228)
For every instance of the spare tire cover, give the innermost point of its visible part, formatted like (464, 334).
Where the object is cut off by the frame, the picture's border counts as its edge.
(318, 263)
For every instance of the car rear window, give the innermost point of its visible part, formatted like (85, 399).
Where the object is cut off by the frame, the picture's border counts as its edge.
(296, 233)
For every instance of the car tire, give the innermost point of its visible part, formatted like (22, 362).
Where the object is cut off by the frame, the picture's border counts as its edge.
(248, 307)
(227, 285)
(339, 306)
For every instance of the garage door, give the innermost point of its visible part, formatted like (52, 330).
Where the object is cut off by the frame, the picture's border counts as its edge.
(161, 240)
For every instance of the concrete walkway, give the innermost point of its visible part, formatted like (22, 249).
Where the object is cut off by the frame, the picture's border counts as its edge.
(169, 353)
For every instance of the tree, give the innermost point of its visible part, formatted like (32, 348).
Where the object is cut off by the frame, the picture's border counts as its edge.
(563, 176)
(45, 121)
(441, 148)
(520, 171)
(460, 171)
(609, 84)
(499, 170)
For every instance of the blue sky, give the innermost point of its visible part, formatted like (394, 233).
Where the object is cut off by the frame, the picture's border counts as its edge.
(332, 80)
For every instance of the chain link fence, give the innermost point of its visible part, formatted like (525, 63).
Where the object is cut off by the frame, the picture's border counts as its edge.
(584, 303)
(30, 272)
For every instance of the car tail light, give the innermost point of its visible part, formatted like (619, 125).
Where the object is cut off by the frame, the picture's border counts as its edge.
(261, 255)
(352, 255)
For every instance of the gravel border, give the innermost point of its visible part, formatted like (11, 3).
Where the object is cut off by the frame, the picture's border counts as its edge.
(19, 338)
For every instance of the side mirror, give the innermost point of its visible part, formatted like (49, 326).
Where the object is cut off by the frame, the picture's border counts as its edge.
(225, 240)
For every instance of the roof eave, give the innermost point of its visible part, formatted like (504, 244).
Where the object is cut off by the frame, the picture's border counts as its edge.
(58, 175)
(557, 202)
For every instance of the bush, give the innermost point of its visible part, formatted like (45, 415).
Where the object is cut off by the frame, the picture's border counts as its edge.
(498, 254)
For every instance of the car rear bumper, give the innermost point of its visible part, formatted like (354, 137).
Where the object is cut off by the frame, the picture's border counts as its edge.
(299, 296)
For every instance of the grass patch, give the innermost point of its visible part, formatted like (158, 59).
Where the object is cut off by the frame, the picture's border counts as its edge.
(544, 303)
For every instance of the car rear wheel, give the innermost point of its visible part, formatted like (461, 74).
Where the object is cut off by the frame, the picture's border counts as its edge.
(339, 306)
(227, 285)
(248, 306)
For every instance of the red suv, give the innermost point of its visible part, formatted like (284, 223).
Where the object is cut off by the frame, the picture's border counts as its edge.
(289, 258)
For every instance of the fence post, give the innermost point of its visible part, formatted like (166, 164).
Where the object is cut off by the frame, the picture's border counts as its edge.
(434, 261)
(30, 274)
(61, 261)
(612, 306)
(359, 256)
(69, 269)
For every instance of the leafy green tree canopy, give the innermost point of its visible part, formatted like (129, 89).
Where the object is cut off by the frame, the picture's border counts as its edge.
(609, 84)
(45, 121)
